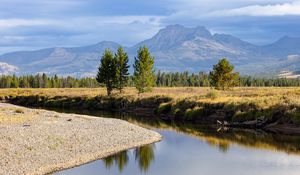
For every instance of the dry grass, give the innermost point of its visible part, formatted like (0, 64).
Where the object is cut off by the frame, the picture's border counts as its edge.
(181, 92)
(263, 96)
(183, 103)
(16, 115)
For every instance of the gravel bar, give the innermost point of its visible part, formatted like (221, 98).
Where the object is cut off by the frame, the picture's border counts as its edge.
(34, 141)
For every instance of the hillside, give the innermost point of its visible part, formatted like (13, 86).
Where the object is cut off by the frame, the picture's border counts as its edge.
(176, 48)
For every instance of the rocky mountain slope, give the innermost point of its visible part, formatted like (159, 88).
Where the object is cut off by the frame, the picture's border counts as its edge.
(176, 48)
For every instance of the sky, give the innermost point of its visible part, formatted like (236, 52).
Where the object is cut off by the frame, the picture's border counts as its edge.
(34, 24)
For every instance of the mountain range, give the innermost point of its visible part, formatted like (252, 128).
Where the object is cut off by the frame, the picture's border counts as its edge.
(175, 48)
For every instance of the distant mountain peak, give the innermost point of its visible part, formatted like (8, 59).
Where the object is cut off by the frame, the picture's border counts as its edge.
(173, 29)
(287, 39)
(199, 31)
(99, 47)
(174, 26)
(175, 48)
(202, 32)
(174, 35)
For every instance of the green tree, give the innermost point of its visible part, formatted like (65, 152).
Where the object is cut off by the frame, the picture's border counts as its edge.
(121, 68)
(107, 71)
(14, 82)
(44, 82)
(222, 76)
(144, 77)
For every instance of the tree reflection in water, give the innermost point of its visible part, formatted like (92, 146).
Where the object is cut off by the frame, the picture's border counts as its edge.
(144, 156)
(220, 138)
(120, 159)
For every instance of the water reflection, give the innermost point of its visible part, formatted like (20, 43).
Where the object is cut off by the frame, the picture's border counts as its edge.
(224, 147)
(221, 138)
(224, 138)
(120, 159)
(143, 156)
(201, 149)
(181, 154)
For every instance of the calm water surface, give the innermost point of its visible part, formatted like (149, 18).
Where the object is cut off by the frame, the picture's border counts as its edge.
(201, 150)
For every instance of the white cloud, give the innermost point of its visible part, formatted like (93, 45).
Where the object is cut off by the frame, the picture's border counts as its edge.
(292, 8)
(6, 69)
(8, 23)
(76, 31)
(83, 22)
(47, 23)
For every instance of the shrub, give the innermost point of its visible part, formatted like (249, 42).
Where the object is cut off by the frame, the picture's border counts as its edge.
(188, 113)
(295, 115)
(164, 108)
(20, 111)
(212, 95)
(176, 112)
(242, 116)
(194, 113)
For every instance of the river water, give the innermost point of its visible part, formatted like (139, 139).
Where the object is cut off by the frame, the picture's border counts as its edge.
(200, 150)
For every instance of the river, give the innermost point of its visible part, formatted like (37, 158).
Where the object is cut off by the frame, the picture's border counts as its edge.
(199, 149)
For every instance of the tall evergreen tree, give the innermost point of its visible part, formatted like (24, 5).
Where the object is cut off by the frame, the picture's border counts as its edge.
(222, 76)
(144, 77)
(44, 81)
(107, 71)
(121, 68)
(14, 82)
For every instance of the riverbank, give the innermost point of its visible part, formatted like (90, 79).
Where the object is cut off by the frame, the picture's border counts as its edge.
(276, 109)
(212, 134)
(39, 141)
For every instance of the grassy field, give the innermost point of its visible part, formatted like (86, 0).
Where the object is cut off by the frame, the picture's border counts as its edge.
(241, 104)
(266, 96)
(175, 92)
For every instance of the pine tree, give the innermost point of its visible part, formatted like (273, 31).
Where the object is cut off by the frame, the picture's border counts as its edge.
(222, 76)
(122, 66)
(14, 82)
(144, 77)
(44, 82)
(107, 71)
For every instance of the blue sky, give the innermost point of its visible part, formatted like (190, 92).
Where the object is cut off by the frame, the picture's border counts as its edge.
(34, 24)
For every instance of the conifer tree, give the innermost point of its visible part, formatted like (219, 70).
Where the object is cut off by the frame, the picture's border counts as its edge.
(222, 76)
(107, 71)
(122, 66)
(144, 77)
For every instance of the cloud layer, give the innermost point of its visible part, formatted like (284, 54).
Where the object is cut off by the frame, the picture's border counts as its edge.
(284, 9)
(33, 24)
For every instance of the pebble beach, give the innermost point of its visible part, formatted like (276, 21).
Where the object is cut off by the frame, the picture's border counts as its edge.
(34, 141)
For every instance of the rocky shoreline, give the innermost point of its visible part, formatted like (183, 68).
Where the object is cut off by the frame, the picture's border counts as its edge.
(39, 141)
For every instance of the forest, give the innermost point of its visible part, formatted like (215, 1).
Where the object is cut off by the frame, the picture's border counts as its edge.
(162, 79)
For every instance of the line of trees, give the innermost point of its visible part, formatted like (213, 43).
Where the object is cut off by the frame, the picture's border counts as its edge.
(202, 79)
(44, 81)
(181, 79)
(113, 74)
(162, 79)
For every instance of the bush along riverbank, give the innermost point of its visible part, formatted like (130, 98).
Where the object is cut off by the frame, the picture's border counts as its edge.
(283, 116)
